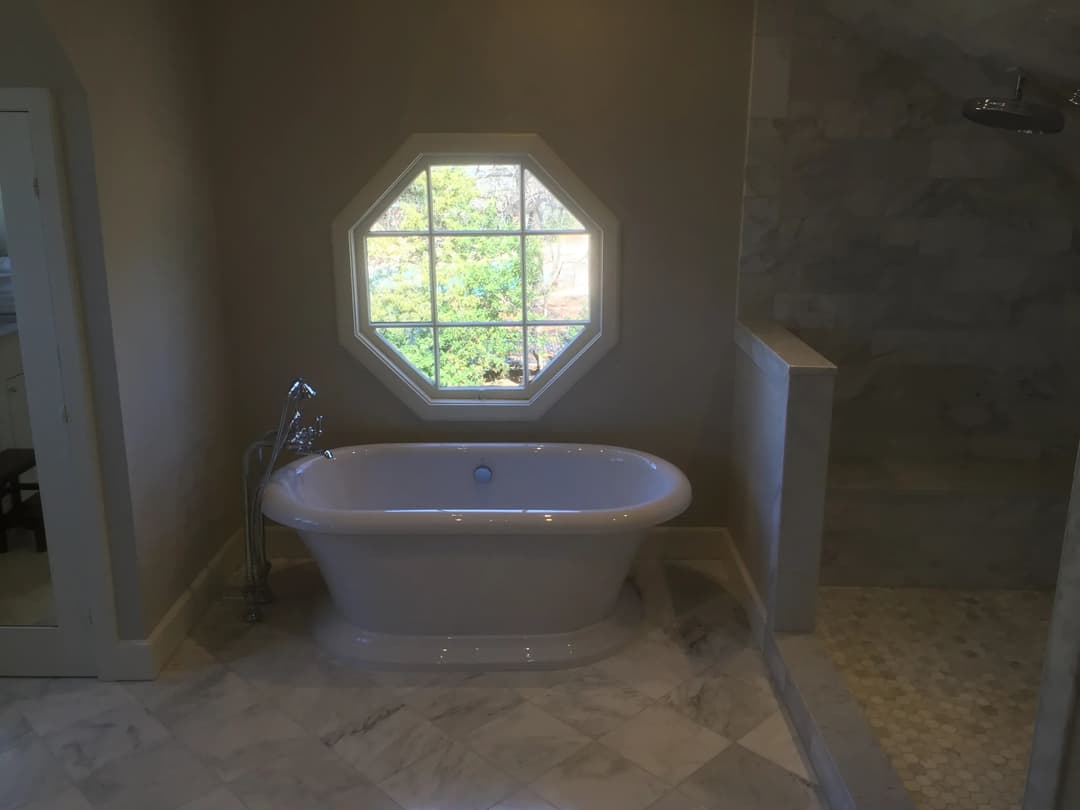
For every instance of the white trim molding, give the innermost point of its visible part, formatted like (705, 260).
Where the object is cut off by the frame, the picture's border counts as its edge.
(359, 333)
(143, 659)
(62, 405)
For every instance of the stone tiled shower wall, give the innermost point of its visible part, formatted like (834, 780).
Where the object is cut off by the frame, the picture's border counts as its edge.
(937, 263)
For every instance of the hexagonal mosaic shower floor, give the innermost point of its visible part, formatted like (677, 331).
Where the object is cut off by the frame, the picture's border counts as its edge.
(949, 681)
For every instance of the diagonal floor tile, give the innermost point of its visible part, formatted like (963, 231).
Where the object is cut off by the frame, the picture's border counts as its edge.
(453, 777)
(773, 739)
(598, 779)
(593, 702)
(677, 801)
(307, 777)
(653, 665)
(523, 800)
(12, 723)
(331, 712)
(287, 727)
(29, 773)
(243, 743)
(164, 778)
(365, 797)
(710, 632)
(217, 799)
(526, 741)
(61, 702)
(278, 659)
(461, 710)
(665, 743)
(738, 779)
(85, 746)
(389, 740)
(70, 799)
(728, 705)
(745, 663)
(206, 691)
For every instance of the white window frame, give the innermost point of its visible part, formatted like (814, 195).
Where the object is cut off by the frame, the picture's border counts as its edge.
(358, 336)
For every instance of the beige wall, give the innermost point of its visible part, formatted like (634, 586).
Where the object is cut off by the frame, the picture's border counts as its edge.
(644, 100)
(139, 65)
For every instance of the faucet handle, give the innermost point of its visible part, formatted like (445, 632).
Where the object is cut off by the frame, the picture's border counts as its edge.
(302, 439)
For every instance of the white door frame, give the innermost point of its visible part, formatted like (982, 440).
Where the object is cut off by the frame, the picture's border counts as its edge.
(78, 533)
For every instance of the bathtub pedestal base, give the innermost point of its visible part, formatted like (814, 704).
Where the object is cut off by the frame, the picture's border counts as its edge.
(345, 641)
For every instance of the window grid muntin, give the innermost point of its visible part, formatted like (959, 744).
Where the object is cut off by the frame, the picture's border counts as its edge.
(432, 283)
(435, 324)
(528, 232)
(524, 280)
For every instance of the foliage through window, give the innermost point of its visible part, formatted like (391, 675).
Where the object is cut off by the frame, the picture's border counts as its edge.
(477, 275)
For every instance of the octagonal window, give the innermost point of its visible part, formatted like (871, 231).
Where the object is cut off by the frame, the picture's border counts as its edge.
(476, 276)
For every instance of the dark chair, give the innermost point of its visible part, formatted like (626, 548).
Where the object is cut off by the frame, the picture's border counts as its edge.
(34, 520)
(16, 461)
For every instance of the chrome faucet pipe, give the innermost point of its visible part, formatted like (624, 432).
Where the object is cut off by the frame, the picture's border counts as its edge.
(290, 435)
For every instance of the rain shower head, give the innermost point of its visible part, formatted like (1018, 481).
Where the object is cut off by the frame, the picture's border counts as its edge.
(1015, 114)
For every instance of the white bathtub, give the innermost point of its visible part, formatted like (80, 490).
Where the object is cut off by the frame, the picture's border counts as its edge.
(427, 563)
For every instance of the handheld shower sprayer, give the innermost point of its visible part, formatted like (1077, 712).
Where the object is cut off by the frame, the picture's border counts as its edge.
(300, 389)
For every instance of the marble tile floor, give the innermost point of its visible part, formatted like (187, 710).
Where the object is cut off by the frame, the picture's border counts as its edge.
(949, 681)
(256, 718)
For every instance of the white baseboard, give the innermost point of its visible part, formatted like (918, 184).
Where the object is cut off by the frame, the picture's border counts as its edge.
(143, 659)
(748, 593)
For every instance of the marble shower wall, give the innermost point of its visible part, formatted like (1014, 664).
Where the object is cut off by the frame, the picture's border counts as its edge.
(937, 263)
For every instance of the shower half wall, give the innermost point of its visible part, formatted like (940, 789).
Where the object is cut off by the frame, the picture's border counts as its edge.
(936, 263)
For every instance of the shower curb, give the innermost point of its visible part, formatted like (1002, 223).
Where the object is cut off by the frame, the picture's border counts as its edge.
(852, 770)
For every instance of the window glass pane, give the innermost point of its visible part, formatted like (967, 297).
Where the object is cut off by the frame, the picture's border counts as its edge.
(546, 343)
(543, 212)
(480, 355)
(478, 278)
(475, 198)
(409, 211)
(399, 278)
(557, 277)
(415, 343)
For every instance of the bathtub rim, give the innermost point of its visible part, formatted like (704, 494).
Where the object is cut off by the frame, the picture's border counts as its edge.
(281, 504)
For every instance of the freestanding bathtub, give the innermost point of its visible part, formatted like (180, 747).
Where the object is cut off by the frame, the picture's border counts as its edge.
(476, 555)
